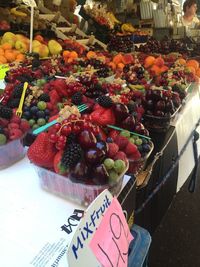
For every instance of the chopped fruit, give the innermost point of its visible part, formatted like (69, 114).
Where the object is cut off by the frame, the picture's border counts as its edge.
(113, 177)
(15, 134)
(42, 105)
(138, 141)
(125, 133)
(121, 155)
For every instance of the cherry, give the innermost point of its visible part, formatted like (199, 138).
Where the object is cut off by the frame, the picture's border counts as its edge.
(53, 138)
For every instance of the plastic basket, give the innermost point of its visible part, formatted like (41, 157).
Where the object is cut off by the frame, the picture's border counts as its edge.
(135, 166)
(82, 194)
(11, 152)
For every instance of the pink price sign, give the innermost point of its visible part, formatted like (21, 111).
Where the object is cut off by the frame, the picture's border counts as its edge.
(111, 240)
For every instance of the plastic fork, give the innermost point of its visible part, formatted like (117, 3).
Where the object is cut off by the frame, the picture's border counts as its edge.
(19, 110)
(43, 128)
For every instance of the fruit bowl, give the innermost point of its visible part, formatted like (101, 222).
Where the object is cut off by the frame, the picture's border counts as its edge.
(11, 152)
(135, 166)
(82, 194)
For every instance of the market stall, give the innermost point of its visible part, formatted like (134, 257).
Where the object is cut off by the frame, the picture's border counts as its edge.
(84, 113)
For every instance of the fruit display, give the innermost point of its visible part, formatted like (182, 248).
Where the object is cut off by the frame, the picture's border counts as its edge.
(12, 131)
(120, 43)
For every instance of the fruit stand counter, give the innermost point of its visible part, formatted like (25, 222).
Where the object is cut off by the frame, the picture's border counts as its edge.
(32, 219)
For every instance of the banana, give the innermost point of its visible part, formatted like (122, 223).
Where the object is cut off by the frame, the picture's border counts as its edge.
(127, 27)
(17, 13)
(113, 18)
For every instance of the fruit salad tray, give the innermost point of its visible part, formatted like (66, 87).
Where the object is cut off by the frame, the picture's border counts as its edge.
(136, 166)
(159, 124)
(11, 152)
(80, 193)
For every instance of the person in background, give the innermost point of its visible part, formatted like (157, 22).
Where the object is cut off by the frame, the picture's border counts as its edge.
(71, 17)
(189, 18)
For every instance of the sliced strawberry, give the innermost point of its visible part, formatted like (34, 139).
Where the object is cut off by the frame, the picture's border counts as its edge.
(121, 141)
(130, 149)
(58, 168)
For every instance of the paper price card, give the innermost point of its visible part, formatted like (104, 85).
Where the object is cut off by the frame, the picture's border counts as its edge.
(111, 241)
(102, 237)
(30, 3)
(79, 252)
(3, 69)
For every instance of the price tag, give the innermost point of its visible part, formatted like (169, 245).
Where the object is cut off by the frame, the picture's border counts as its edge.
(111, 241)
(3, 69)
(30, 3)
(79, 252)
(102, 238)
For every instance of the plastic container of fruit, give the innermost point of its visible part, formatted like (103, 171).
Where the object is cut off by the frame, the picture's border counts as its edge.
(82, 194)
(136, 166)
(159, 124)
(11, 152)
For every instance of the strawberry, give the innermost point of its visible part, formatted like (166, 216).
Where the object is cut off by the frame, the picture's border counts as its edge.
(121, 155)
(15, 134)
(113, 134)
(13, 125)
(58, 168)
(107, 117)
(95, 116)
(24, 126)
(42, 152)
(112, 150)
(121, 141)
(130, 149)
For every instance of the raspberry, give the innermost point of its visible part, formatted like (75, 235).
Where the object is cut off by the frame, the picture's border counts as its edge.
(13, 125)
(24, 126)
(15, 134)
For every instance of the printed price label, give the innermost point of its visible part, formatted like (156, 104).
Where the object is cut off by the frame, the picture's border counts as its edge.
(3, 69)
(30, 3)
(111, 241)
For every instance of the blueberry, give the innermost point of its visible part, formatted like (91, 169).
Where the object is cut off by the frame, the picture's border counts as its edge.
(47, 112)
(146, 148)
(109, 140)
(140, 148)
(46, 118)
(27, 115)
(40, 114)
(34, 110)
(26, 108)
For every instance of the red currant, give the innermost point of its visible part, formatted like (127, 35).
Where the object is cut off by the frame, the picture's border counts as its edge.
(66, 130)
(57, 126)
(53, 138)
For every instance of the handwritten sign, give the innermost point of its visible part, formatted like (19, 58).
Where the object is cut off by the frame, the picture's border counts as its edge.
(30, 3)
(3, 69)
(79, 252)
(111, 241)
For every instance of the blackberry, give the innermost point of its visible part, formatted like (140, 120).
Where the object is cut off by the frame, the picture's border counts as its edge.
(35, 63)
(1, 130)
(5, 112)
(105, 101)
(77, 98)
(71, 138)
(13, 102)
(44, 97)
(71, 155)
(17, 92)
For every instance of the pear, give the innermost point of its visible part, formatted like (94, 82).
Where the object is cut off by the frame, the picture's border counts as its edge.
(42, 50)
(54, 47)
(36, 43)
(9, 37)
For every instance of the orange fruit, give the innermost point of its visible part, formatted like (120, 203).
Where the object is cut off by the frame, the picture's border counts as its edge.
(73, 55)
(6, 46)
(112, 65)
(164, 69)
(198, 72)
(70, 60)
(1, 51)
(156, 70)
(3, 59)
(193, 63)
(20, 58)
(10, 56)
(120, 66)
(159, 61)
(181, 61)
(118, 59)
(66, 53)
(191, 69)
(149, 61)
(91, 54)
